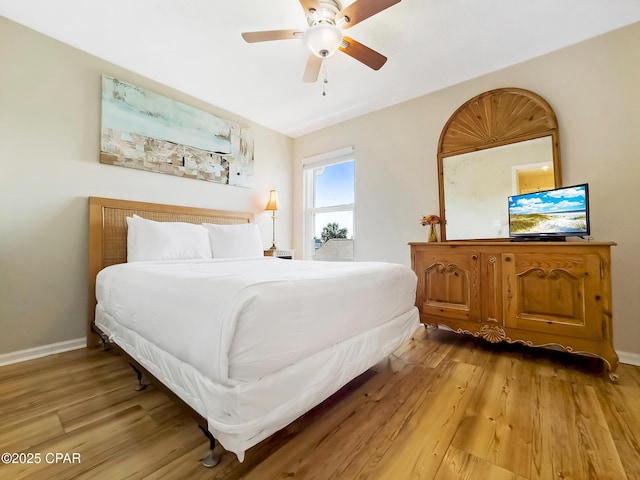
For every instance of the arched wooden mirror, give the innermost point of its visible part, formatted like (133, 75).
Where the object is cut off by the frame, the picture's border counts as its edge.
(499, 143)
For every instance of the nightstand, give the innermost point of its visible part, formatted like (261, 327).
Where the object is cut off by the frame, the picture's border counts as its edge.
(286, 254)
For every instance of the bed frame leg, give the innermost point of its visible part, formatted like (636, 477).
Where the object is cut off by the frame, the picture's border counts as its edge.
(140, 385)
(212, 459)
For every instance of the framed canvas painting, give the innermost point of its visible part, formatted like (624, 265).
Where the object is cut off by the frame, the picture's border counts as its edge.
(147, 131)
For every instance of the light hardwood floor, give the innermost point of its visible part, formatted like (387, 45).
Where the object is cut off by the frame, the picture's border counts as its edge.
(443, 407)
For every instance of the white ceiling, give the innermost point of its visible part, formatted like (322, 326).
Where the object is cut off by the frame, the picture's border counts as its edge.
(195, 46)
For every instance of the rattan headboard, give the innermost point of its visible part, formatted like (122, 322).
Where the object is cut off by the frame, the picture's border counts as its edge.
(108, 234)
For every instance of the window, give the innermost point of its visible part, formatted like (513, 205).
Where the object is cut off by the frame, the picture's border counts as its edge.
(329, 205)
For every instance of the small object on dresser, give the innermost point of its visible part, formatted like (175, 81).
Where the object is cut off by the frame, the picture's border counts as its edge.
(286, 254)
(432, 221)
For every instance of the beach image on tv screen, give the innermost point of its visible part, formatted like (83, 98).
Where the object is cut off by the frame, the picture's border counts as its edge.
(549, 212)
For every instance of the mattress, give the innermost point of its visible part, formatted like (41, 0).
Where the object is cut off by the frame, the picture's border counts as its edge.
(217, 333)
(239, 320)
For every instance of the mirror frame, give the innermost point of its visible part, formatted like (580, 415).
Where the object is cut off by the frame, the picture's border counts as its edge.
(493, 119)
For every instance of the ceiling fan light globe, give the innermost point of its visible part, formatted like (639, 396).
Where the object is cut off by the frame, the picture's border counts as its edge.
(323, 39)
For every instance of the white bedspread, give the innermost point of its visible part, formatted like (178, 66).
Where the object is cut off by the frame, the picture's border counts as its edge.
(244, 319)
(253, 344)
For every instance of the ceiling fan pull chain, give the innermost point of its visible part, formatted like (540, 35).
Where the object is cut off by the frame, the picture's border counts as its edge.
(325, 81)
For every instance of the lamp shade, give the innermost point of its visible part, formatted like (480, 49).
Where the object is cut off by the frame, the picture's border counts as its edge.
(323, 39)
(273, 203)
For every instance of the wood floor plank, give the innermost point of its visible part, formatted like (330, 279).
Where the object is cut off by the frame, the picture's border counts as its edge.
(621, 408)
(22, 435)
(36, 394)
(443, 406)
(496, 427)
(461, 465)
(423, 440)
(433, 353)
(95, 444)
(467, 349)
(156, 448)
(345, 450)
(384, 444)
(82, 413)
(186, 466)
(567, 449)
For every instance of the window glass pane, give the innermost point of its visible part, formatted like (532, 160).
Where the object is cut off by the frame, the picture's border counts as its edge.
(333, 236)
(333, 185)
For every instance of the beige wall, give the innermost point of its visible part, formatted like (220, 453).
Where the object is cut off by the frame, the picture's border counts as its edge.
(49, 142)
(593, 88)
(49, 165)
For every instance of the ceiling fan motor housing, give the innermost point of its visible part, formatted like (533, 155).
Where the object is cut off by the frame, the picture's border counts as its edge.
(323, 39)
(327, 11)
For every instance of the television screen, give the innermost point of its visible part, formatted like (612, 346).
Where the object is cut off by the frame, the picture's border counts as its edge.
(561, 212)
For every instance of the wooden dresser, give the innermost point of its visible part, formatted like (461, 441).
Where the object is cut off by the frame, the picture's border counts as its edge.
(541, 294)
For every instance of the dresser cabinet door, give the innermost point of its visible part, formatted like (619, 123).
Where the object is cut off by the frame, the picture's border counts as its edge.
(448, 284)
(554, 293)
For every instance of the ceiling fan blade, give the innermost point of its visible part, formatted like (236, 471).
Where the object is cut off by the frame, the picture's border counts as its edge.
(310, 5)
(312, 70)
(362, 53)
(268, 35)
(361, 10)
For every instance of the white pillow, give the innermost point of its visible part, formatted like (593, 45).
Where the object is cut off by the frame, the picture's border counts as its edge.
(149, 240)
(228, 241)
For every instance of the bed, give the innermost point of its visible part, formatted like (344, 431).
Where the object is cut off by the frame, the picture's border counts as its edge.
(246, 343)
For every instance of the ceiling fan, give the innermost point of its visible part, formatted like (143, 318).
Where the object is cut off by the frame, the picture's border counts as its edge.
(327, 19)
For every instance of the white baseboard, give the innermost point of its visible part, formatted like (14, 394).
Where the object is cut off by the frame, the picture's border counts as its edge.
(43, 351)
(629, 358)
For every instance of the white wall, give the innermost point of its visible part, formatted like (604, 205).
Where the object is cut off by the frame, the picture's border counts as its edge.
(49, 165)
(593, 89)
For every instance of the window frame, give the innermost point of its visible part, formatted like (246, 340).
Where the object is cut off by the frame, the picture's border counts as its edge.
(309, 164)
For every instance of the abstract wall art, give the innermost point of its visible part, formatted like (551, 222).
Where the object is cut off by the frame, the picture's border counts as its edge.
(147, 131)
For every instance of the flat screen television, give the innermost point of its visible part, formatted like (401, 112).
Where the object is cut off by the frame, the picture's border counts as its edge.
(550, 214)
